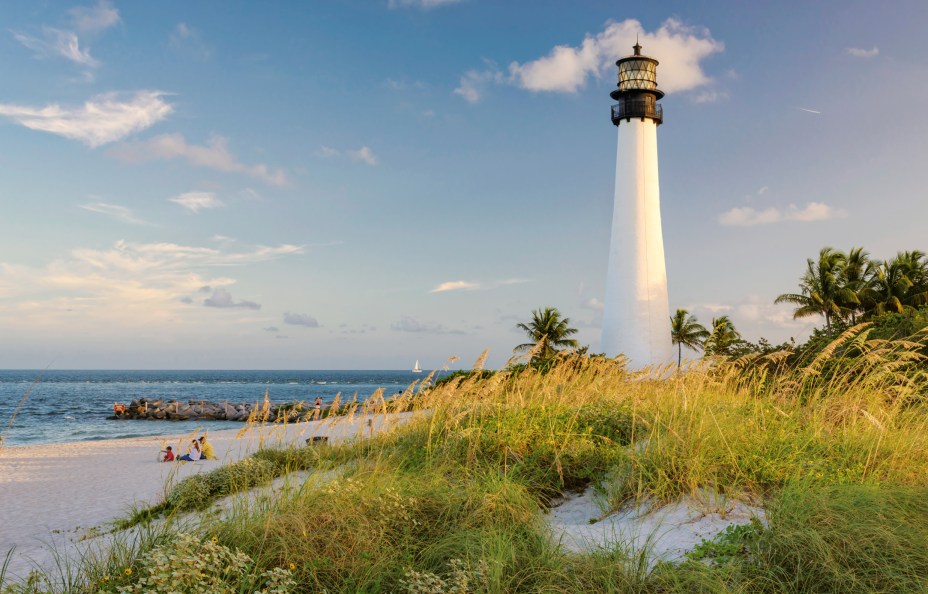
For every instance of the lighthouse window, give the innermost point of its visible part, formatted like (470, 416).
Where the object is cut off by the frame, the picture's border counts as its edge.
(637, 74)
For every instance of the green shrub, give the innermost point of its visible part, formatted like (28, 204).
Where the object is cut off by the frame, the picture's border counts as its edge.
(845, 538)
(189, 565)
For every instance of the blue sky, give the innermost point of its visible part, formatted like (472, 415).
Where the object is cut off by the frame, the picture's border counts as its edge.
(338, 185)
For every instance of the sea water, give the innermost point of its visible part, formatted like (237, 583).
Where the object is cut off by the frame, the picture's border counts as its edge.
(63, 406)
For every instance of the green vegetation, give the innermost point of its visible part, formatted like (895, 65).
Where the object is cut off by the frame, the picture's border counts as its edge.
(454, 499)
(848, 287)
(685, 331)
(548, 332)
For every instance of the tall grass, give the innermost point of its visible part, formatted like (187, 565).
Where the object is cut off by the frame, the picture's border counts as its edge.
(454, 500)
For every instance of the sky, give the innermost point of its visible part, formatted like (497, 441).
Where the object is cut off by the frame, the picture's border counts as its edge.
(360, 184)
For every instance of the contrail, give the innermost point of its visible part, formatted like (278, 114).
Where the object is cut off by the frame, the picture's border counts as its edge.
(809, 110)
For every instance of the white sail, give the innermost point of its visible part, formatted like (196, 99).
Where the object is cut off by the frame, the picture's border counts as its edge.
(417, 369)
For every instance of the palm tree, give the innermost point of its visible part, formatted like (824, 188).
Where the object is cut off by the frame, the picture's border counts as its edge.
(722, 336)
(822, 291)
(899, 283)
(916, 267)
(685, 331)
(854, 276)
(549, 332)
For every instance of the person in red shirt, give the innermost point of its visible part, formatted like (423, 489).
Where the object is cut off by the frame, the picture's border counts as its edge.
(168, 455)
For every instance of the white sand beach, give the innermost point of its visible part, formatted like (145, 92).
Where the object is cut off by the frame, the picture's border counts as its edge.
(55, 496)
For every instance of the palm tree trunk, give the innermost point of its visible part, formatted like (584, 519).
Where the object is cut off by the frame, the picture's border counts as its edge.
(679, 354)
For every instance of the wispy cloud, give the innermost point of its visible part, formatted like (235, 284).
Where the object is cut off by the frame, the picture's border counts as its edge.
(424, 4)
(120, 213)
(130, 283)
(213, 155)
(411, 324)
(65, 43)
(815, 111)
(746, 216)
(362, 155)
(141, 256)
(221, 298)
(679, 47)
(760, 312)
(863, 53)
(92, 19)
(472, 86)
(100, 120)
(461, 285)
(298, 319)
(57, 43)
(709, 96)
(455, 286)
(197, 201)
(186, 40)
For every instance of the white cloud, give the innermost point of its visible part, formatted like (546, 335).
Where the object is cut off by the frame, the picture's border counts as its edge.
(197, 201)
(709, 96)
(363, 155)
(130, 256)
(758, 315)
(297, 319)
(814, 211)
(120, 213)
(129, 284)
(221, 298)
(863, 53)
(65, 43)
(473, 84)
(411, 324)
(470, 286)
(746, 216)
(425, 4)
(58, 43)
(101, 120)
(455, 286)
(214, 155)
(679, 47)
(95, 18)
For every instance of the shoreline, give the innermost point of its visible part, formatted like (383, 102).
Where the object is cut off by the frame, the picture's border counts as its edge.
(60, 496)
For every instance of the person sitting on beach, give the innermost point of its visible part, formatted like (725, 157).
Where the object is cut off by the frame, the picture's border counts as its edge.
(193, 454)
(206, 450)
(318, 405)
(168, 454)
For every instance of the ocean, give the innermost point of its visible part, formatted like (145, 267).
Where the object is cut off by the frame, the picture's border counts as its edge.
(64, 406)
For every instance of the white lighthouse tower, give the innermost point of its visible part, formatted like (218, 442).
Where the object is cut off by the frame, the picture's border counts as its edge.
(636, 316)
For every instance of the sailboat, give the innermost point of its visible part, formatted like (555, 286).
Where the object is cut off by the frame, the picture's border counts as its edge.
(417, 369)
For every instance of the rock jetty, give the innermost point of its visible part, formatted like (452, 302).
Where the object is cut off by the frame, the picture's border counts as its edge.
(203, 410)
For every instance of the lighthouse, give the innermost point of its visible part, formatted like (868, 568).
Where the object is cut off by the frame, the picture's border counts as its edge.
(636, 313)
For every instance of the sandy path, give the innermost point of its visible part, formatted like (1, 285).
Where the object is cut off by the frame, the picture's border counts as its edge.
(54, 494)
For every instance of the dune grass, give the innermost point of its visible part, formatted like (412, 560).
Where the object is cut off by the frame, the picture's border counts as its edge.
(454, 499)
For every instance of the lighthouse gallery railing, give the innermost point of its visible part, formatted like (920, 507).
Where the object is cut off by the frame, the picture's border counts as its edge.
(637, 109)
